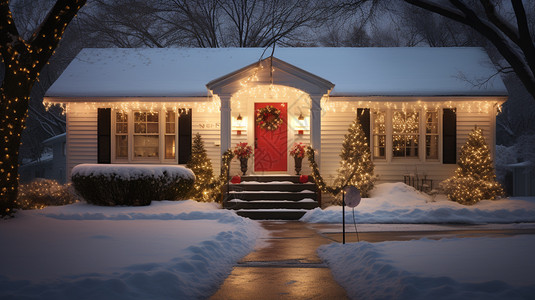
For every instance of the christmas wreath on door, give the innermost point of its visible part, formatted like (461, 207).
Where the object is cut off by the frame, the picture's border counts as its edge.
(268, 118)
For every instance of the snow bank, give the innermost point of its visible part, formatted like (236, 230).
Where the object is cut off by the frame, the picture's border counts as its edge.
(132, 171)
(470, 268)
(168, 250)
(399, 203)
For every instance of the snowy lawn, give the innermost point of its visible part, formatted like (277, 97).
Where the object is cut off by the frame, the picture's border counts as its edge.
(168, 250)
(468, 268)
(454, 268)
(400, 203)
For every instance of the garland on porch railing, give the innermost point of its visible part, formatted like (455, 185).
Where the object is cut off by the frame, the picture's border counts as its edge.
(218, 184)
(226, 158)
(318, 179)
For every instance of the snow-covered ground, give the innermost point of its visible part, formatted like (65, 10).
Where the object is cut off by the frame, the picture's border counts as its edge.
(168, 250)
(466, 268)
(399, 203)
(453, 268)
(185, 249)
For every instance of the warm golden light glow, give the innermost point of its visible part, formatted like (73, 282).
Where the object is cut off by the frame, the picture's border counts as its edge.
(177, 107)
(268, 92)
(468, 106)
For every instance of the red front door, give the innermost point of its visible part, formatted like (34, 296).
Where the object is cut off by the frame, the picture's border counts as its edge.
(271, 145)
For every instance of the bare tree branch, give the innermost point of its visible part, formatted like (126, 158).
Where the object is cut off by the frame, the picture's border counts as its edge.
(519, 53)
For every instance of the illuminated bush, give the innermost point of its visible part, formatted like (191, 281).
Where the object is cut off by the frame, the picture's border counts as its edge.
(44, 192)
(468, 190)
(475, 178)
(131, 185)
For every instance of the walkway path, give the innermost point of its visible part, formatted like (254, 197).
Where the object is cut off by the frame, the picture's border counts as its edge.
(286, 268)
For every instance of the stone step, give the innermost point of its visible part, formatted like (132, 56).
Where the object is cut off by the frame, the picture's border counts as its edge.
(264, 204)
(294, 187)
(276, 178)
(273, 195)
(272, 214)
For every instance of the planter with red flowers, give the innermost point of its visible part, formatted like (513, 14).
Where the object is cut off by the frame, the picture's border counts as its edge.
(298, 152)
(243, 152)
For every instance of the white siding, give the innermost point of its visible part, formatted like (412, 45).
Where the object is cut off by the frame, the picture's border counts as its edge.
(208, 125)
(335, 125)
(81, 136)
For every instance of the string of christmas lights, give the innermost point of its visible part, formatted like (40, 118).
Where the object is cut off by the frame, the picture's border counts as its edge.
(356, 167)
(178, 107)
(201, 166)
(474, 179)
(329, 105)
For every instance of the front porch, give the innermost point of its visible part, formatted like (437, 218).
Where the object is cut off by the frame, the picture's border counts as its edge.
(294, 93)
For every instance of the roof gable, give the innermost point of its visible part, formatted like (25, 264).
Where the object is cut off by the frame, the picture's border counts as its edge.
(271, 70)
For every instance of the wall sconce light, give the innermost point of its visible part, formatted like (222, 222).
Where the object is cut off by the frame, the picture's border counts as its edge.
(301, 124)
(239, 124)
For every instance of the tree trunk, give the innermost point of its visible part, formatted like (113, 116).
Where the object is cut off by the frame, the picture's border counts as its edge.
(14, 97)
(23, 60)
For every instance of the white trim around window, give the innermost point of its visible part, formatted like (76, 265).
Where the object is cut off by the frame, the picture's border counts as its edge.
(148, 131)
(414, 145)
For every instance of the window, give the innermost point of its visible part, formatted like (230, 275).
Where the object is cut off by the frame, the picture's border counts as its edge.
(170, 135)
(405, 133)
(431, 135)
(379, 134)
(150, 136)
(121, 135)
(146, 135)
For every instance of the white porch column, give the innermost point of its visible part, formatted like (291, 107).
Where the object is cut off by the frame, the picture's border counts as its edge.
(315, 125)
(225, 123)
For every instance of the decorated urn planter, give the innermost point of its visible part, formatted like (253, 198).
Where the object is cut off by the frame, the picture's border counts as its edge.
(298, 152)
(243, 152)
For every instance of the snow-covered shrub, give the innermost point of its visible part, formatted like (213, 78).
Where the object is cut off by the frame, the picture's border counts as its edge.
(44, 192)
(132, 185)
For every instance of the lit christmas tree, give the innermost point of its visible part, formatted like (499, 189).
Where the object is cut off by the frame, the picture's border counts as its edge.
(201, 165)
(356, 167)
(475, 178)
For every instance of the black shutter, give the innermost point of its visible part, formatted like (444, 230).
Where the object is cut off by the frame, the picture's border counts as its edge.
(449, 136)
(364, 118)
(104, 135)
(184, 137)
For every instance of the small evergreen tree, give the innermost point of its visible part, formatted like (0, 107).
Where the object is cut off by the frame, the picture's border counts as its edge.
(356, 166)
(474, 179)
(201, 166)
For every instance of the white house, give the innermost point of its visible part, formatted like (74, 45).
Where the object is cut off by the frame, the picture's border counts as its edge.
(417, 105)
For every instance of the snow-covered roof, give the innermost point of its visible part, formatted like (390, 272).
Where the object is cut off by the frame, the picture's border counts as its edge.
(184, 72)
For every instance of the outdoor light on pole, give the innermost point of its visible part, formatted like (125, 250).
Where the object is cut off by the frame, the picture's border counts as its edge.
(350, 197)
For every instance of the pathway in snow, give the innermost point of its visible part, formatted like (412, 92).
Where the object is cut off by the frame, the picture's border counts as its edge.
(287, 266)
